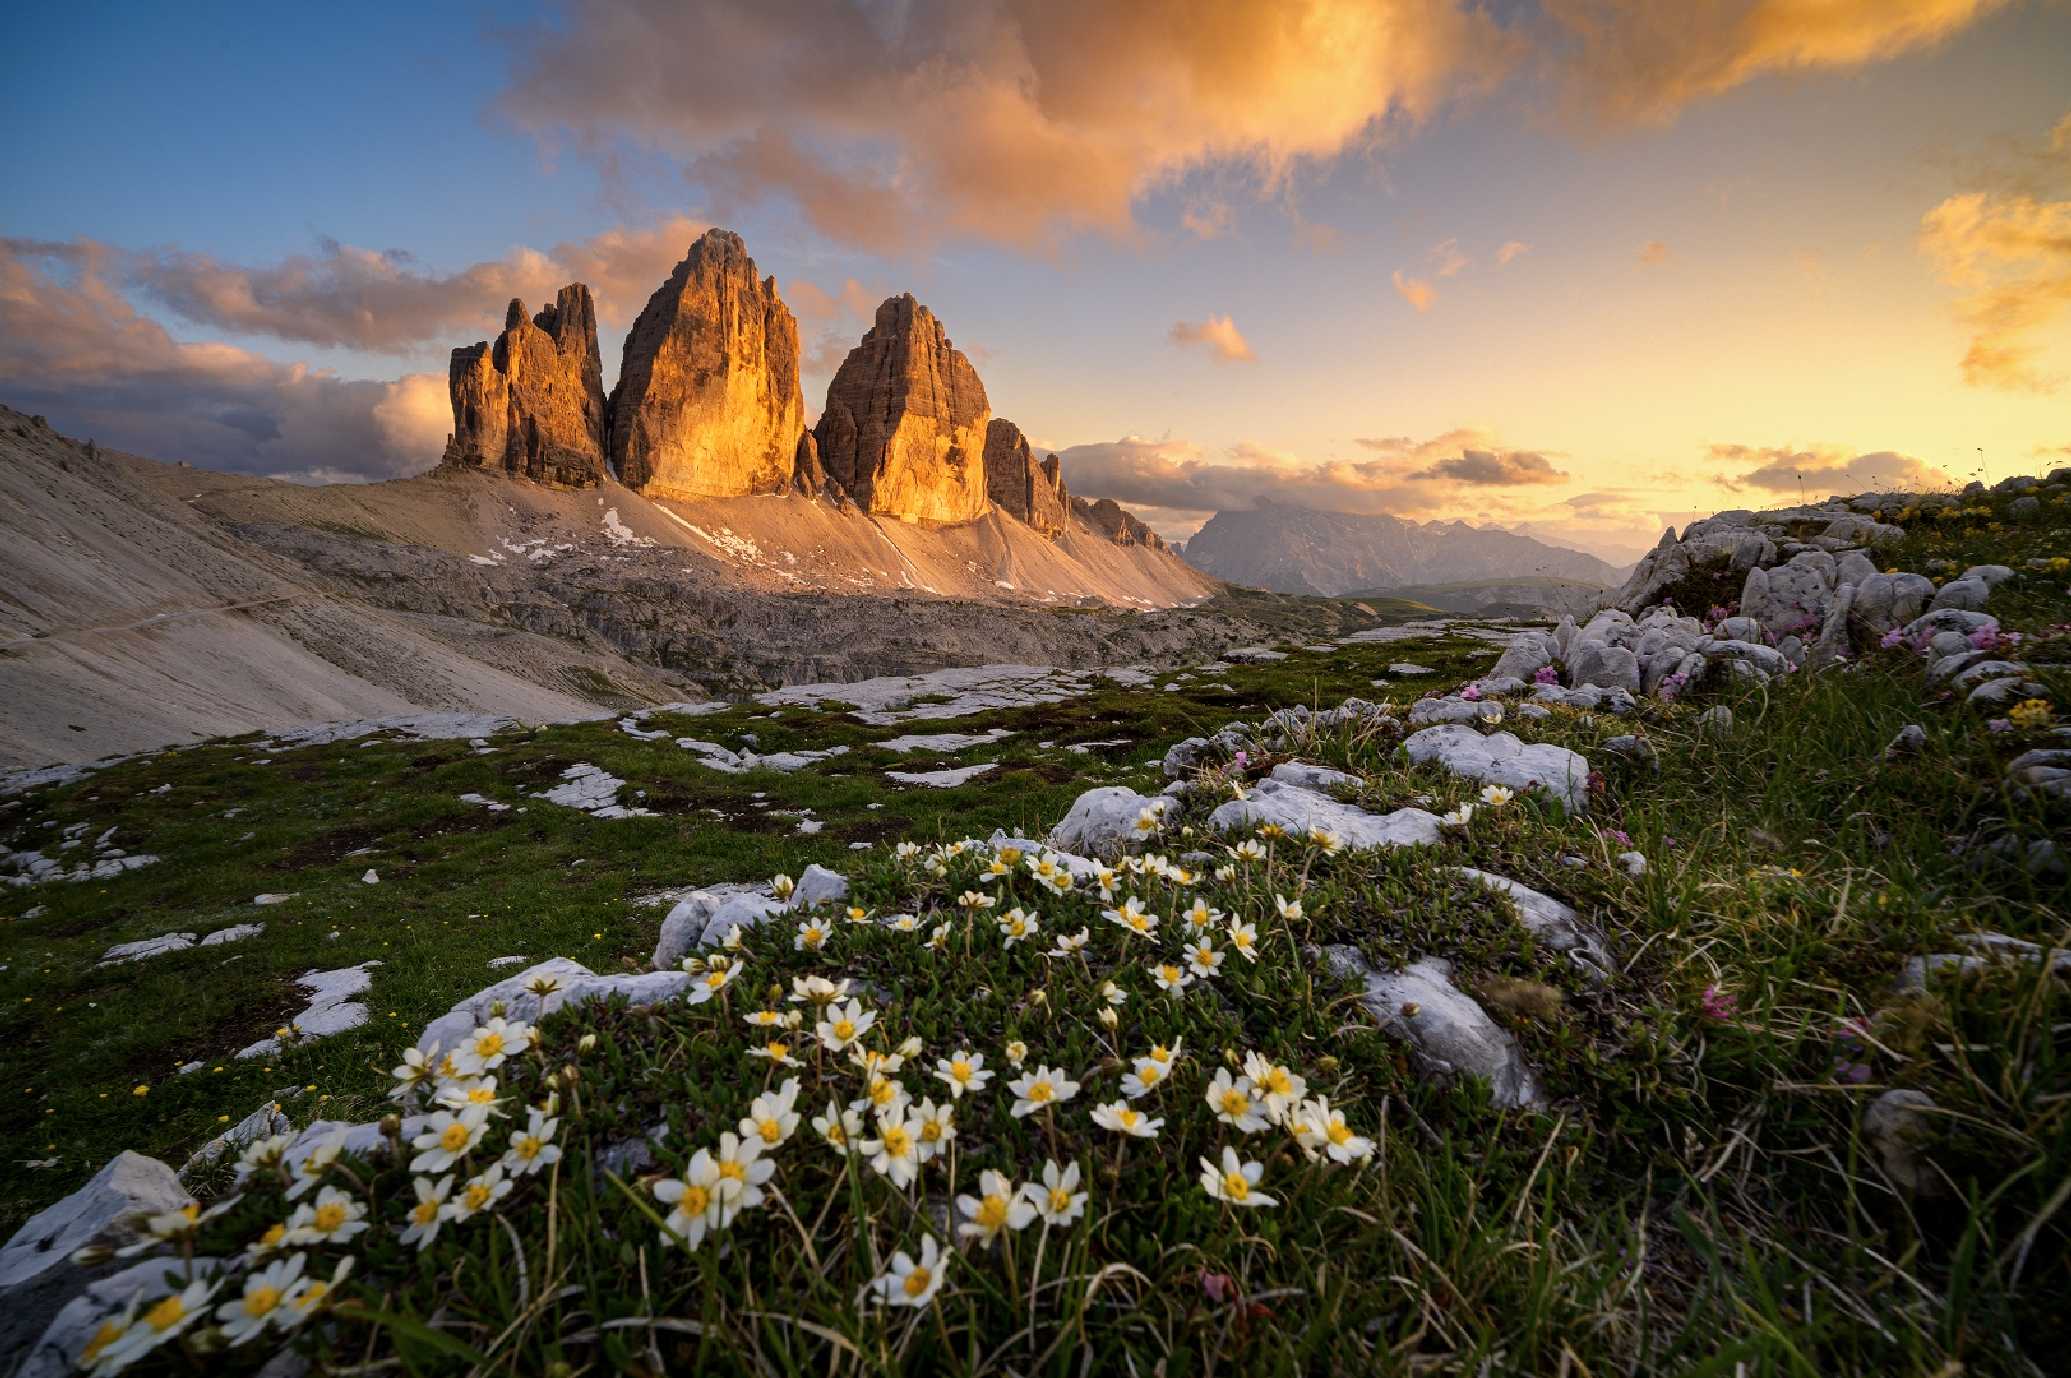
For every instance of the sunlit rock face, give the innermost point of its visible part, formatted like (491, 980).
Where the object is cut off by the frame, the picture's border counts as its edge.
(1018, 485)
(531, 402)
(707, 403)
(904, 430)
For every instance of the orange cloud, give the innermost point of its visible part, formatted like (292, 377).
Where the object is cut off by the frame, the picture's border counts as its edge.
(1636, 61)
(1446, 258)
(1512, 249)
(1218, 334)
(1825, 471)
(1415, 291)
(2011, 256)
(1653, 252)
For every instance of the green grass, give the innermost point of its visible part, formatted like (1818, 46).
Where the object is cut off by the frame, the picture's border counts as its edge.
(1697, 1197)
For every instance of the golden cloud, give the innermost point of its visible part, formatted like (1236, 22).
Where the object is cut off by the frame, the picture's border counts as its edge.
(1218, 335)
(1416, 291)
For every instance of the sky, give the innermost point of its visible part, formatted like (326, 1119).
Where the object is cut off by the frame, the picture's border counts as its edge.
(1582, 268)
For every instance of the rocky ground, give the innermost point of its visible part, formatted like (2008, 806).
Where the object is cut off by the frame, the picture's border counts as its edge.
(1425, 1017)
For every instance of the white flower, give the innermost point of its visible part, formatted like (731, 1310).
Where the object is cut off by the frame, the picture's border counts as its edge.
(964, 1072)
(1235, 1182)
(996, 1209)
(1290, 909)
(490, 1045)
(1113, 994)
(1226, 874)
(776, 1051)
(1145, 1077)
(1132, 916)
(742, 1172)
(693, 1201)
(733, 940)
(1199, 916)
(1244, 938)
(1040, 1089)
(480, 1193)
(311, 1293)
(1495, 796)
(1281, 1088)
(773, 1116)
(262, 1155)
(1250, 849)
(311, 1167)
(895, 1152)
(718, 976)
(533, 1147)
(882, 1096)
(1457, 818)
(1172, 978)
(811, 936)
(817, 990)
(161, 1321)
(938, 937)
(906, 851)
(333, 1218)
(1057, 1199)
(246, 1317)
(417, 1068)
(1068, 944)
(902, 923)
(771, 1019)
(974, 901)
(933, 1127)
(429, 1213)
(782, 886)
(1234, 1102)
(912, 1282)
(1204, 959)
(1150, 818)
(1319, 1128)
(844, 1024)
(1123, 1120)
(1325, 839)
(859, 914)
(1017, 1052)
(470, 1093)
(1016, 925)
(838, 1128)
(447, 1138)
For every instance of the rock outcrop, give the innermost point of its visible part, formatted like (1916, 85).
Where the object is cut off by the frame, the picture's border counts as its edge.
(707, 403)
(532, 402)
(1019, 485)
(1107, 517)
(904, 431)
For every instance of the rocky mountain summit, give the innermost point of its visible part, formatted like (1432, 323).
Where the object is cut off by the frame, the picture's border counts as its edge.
(1111, 520)
(1018, 485)
(532, 402)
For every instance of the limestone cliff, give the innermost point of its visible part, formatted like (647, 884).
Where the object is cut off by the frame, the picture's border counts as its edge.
(1107, 517)
(904, 432)
(1019, 485)
(707, 403)
(532, 402)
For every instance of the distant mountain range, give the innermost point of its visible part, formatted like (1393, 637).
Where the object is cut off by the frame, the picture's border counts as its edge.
(1300, 550)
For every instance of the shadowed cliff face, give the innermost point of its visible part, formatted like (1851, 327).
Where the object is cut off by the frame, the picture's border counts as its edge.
(904, 428)
(532, 402)
(707, 403)
(1019, 485)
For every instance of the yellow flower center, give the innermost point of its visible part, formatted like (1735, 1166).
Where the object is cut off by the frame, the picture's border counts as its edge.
(1337, 1131)
(260, 1300)
(882, 1092)
(424, 1212)
(732, 1170)
(930, 1131)
(844, 1029)
(329, 1216)
(917, 1282)
(1060, 1200)
(695, 1200)
(897, 1141)
(1170, 973)
(166, 1314)
(480, 1095)
(992, 1213)
(836, 1135)
(1128, 1118)
(108, 1334)
(1235, 1102)
(715, 981)
(273, 1236)
(769, 1129)
(1150, 1074)
(489, 1045)
(477, 1196)
(527, 1147)
(1278, 1083)
(311, 1295)
(1234, 1185)
(1041, 1092)
(960, 1069)
(453, 1137)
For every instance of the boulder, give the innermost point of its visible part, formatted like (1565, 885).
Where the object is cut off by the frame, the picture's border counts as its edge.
(1525, 656)
(904, 429)
(531, 403)
(1599, 663)
(37, 1273)
(1300, 810)
(1896, 1124)
(1966, 593)
(1884, 601)
(1553, 923)
(707, 403)
(1501, 759)
(1021, 487)
(1101, 822)
(1453, 708)
(1448, 1033)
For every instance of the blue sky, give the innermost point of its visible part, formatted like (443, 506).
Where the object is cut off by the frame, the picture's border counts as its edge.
(1797, 305)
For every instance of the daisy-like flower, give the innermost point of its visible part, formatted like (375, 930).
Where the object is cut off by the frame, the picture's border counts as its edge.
(1119, 1117)
(906, 851)
(1281, 1087)
(1271, 832)
(1234, 1102)
(1326, 841)
(999, 868)
(1150, 819)
(1039, 1090)
(895, 1152)
(693, 1202)
(271, 1242)
(1172, 978)
(817, 991)
(1130, 914)
(843, 1025)
(963, 1072)
(1318, 1128)
(417, 1068)
(971, 901)
(262, 1155)
(1204, 959)
(782, 886)
(718, 976)
(1113, 994)
(858, 914)
(742, 1172)
(1057, 1198)
(1199, 916)
(309, 1169)
(480, 1193)
(447, 1138)
(773, 1116)
(1225, 874)
(470, 1093)
(262, 1305)
(810, 937)
(1050, 875)
(1016, 925)
(1069, 944)
(839, 1129)
(1244, 938)
(1250, 849)
(160, 1322)
(776, 1051)
(1495, 796)
(533, 1147)
(1109, 882)
(903, 923)
(1457, 818)
(771, 1019)
(996, 1209)
(882, 1096)
(1290, 909)
(910, 1281)
(938, 937)
(490, 1045)
(733, 940)
(1235, 1182)
(429, 1212)
(1145, 1077)
(933, 1128)
(333, 1218)
(876, 1063)
(1017, 1052)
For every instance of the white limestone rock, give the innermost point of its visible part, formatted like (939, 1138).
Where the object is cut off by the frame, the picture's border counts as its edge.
(1553, 923)
(1103, 821)
(1301, 810)
(1501, 759)
(37, 1274)
(1449, 1034)
(948, 778)
(1454, 709)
